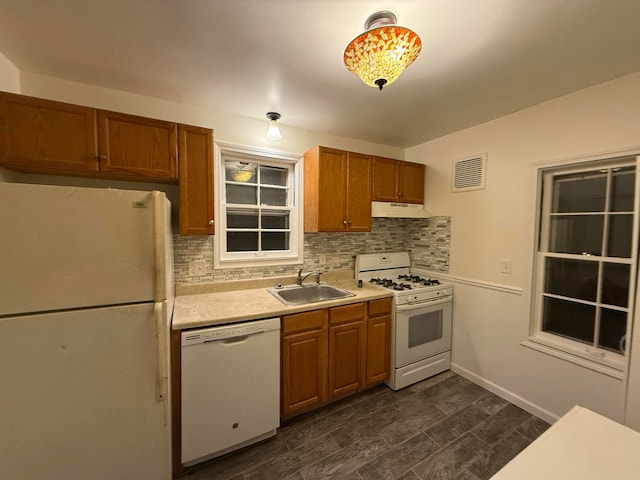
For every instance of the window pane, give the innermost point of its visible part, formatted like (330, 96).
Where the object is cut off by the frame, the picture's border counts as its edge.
(622, 186)
(620, 235)
(242, 194)
(615, 284)
(569, 319)
(572, 278)
(273, 176)
(239, 218)
(613, 327)
(240, 171)
(275, 219)
(576, 234)
(579, 193)
(242, 241)
(275, 240)
(273, 196)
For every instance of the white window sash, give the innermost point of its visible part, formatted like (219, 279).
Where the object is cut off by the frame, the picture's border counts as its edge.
(294, 255)
(567, 347)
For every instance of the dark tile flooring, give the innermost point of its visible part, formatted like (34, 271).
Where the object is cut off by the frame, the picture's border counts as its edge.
(445, 427)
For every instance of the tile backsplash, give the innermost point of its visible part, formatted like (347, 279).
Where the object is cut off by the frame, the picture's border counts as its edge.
(426, 239)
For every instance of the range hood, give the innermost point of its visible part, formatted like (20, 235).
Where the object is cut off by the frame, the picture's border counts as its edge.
(398, 210)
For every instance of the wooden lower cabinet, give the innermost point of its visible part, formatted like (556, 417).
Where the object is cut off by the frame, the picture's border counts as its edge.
(303, 360)
(346, 348)
(330, 353)
(378, 349)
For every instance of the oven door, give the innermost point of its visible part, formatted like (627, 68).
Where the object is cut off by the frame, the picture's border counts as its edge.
(422, 330)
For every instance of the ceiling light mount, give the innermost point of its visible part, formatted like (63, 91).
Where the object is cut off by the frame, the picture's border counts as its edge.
(273, 133)
(380, 54)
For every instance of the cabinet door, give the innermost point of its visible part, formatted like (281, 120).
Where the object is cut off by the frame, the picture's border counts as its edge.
(358, 201)
(195, 159)
(411, 182)
(137, 146)
(378, 349)
(385, 179)
(332, 192)
(304, 367)
(346, 353)
(48, 137)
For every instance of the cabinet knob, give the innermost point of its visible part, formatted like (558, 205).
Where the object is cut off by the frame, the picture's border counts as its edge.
(102, 157)
(211, 222)
(344, 222)
(349, 222)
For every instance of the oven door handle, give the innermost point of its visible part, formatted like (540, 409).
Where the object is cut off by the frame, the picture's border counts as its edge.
(412, 306)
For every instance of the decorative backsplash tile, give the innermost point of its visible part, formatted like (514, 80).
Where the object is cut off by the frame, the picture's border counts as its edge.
(426, 239)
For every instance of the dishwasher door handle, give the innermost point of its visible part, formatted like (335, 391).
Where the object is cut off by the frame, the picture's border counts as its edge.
(234, 339)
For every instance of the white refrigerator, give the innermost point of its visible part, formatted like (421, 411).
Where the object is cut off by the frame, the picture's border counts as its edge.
(86, 298)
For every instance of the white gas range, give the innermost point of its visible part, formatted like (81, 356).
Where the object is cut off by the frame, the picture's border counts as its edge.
(421, 322)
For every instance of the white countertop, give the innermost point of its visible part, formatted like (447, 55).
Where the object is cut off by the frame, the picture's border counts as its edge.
(581, 445)
(221, 307)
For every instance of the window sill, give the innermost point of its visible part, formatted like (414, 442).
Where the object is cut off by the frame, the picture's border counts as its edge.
(257, 262)
(553, 350)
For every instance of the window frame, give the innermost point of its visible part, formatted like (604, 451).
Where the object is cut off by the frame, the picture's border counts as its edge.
(293, 256)
(599, 359)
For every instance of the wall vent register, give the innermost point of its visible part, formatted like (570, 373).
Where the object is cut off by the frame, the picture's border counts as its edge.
(469, 174)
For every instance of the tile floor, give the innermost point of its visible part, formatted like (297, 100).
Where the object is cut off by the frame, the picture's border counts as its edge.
(445, 427)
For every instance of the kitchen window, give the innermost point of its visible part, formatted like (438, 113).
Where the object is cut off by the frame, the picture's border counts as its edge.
(259, 219)
(586, 262)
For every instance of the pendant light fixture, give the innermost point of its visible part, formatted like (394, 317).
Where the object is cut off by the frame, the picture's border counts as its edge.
(380, 54)
(273, 133)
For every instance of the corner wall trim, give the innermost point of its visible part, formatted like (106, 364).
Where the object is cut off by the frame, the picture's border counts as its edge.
(508, 395)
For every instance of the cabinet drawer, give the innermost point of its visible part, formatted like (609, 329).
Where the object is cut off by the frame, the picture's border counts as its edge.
(346, 313)
(301, 322)
(380, 307)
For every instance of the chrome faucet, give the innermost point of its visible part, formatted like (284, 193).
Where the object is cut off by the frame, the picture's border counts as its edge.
(300, 278)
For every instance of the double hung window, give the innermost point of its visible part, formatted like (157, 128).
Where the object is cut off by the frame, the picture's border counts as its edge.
(586, 260)
(258, 206)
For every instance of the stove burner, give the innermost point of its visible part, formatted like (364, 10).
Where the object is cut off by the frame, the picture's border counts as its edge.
(405, 282)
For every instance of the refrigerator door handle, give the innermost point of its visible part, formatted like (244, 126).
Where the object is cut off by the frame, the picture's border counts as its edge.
(162, 368)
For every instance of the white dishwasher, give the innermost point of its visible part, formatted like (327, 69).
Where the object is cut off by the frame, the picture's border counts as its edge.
(230, 387)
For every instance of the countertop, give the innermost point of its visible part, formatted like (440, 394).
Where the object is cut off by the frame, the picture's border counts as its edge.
(582, 444)
(210, 307)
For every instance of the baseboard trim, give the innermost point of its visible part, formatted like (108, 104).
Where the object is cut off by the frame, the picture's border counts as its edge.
(508, 395)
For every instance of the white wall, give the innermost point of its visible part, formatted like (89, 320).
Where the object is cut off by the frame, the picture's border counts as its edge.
(498, 223)
(227, 128)
(9, 76)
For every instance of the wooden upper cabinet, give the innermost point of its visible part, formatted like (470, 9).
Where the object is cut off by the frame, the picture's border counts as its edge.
(195, 160)
(385, 179)
(45, 136)
(411, 182)
(337, 191)
(397, 181)
(358, 201)
(137, 146)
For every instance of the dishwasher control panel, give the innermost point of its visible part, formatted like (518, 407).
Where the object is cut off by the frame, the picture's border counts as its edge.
(224, 332)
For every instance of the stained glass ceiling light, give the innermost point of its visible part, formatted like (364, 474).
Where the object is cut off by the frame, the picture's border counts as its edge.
(380, 54)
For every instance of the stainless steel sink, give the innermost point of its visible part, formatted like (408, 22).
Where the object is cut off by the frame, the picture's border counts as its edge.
(292, 295)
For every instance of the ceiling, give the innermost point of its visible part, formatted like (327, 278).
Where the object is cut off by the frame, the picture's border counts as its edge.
(481, 59)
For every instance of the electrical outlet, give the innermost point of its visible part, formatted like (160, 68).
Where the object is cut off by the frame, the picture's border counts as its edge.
(505, 265)
(322, 259)
(196, 268)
